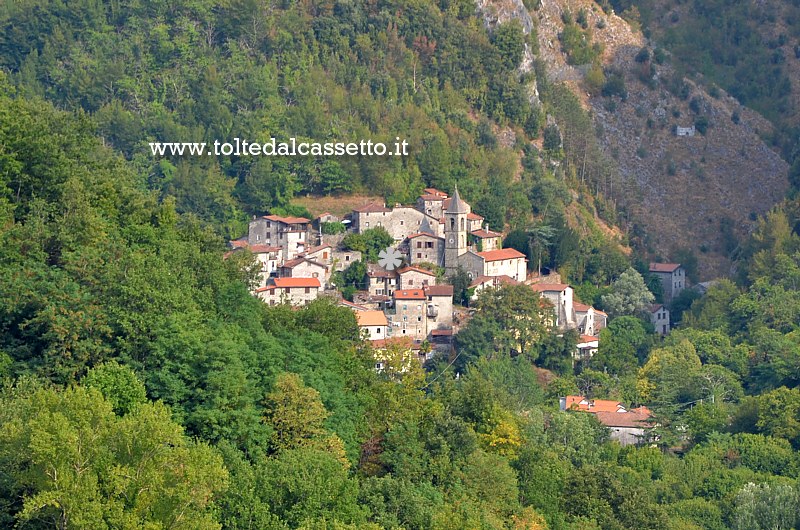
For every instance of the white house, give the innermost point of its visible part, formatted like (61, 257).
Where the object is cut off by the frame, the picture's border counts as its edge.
(294, 291)
(373, 324)
(659, 316)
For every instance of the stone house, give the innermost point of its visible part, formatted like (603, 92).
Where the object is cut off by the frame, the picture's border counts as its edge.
(400, 221)
(490, 282)
(626, 426)
(439, 311)
(590, 320)
(424, 248)
(289, 233)
(294, 291)
(342, 259)
(411, 277)
(560, 295)
(408, 316)
(483, 240)
(672, 276)
(659, 317)
(380, 282)
(303, 267)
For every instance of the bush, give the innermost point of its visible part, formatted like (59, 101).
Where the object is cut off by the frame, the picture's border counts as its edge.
(333, 228)
(701, 124)
(615, 86)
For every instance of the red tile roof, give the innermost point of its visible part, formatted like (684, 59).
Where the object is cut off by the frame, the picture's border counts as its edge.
(409, 294)
(628, 419)
(261, 249)
(371, 318)
(439, 290)
(664, 267)
(352, 306)
(485, 233)
(239, 243)
(431, 197)
(655, 307)
(411, 268)
(287, 220)
(297, 282)
(581, 307)
(434, 191)
(474, 217)
(316, 249)
(403, 342)
(376, 271)
(297, 261)
(372, 207)
(549, 287)
(593, 405)
(442, 332)
(501, 254)
(587, 338)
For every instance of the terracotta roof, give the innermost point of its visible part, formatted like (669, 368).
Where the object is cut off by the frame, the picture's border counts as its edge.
(287, 220)
(581, 307)
(238, 243)
(664, 267)
(442, 332)
(260, 249)
(409, 294)
(418, 234)
(371, 318)
(626, 419)
(376, 271)
(297, 282)
(587, 338)
(323, 214)
(655, 307)
(485, 233)
(411, 268)
(431, 197)
(474, 217)
(439, 290)
(434, 191)
(549, 287)
(297, 261)
(405, 342)
(351, 305)
(372, 207)
(593, 405)
(601, 312)
(316, 249)
(501, 254)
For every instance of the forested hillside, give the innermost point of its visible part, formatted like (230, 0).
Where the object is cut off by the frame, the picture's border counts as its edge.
(143, 386)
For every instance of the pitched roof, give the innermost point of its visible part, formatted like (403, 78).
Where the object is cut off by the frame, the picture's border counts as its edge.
(287, 220)
(297, 261)
(439, 290)
(409, 294)
(351, 305)
(664, 267)
(456, 204)
(585, 339)
(432, 197)
(376, 271)
(628, 419)
(261, 249)
(316, 249)
(434, 191)
(581, 308)
(372, 207)
(442, 332)
(474, 217)
(593, 405)
(549, 287)
(655, 307)
(297, 282)
(411, 268)
(501, 254)
(371, 318)
(238, 243)
(403, 342)
(420, 234)
(485, 233)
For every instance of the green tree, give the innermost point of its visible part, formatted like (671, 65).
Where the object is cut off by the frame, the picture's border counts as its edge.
(118, 384)
(629, 295)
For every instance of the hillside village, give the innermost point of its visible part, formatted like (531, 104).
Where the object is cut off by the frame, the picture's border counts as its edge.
(412, 303)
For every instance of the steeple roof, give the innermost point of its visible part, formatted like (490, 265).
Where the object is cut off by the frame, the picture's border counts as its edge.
(457, 205)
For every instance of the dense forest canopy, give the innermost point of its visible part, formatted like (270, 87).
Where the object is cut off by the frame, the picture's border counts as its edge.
(142, 385)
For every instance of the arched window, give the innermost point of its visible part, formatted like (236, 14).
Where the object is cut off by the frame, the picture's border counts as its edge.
(462, 223)
(452, 223)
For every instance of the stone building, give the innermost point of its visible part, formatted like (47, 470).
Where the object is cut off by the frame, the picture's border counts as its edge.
(560, 296)
(659, 317)
(380, 282)
(400, 221)
(294, 291)
(413, 277)
(289, 233)
(373, 324)
(303, 267)
(590, 320)
(673, 279)
(424, 248)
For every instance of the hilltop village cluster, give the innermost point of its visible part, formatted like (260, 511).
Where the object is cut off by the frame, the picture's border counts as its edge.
(411, 304)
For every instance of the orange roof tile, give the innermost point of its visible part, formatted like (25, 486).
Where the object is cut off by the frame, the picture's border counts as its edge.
(287, 220)
(501, 254)
(548, 287)
(409, 294)
(664, 267)
(434, 191)
(485, 233)
(439, 290)
(371, 318)
(474, 217)
(297, 282)
(411, 268)
(628, 419)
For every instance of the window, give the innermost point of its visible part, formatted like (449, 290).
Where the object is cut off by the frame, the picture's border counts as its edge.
(419, 319)
(377, 331)
(308, 290)
(419, 255)
(325, 255)
(315, 275)
(419, 244)
(402, 223)
(366, 224)
(405, 307)
(379, 223)
(347, 257)
(411, 281)
(405, 318)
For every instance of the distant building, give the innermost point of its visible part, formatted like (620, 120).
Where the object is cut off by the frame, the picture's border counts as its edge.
(294, 291)
(373, 324)
(304, 268)
(685, 131)
(289, 233)
(411, 277)
(586, 347)
(490, 282)
(590, 320)
(659, 317)
(380, 282)
(672, 276)
(627, 426)
(561, 296)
